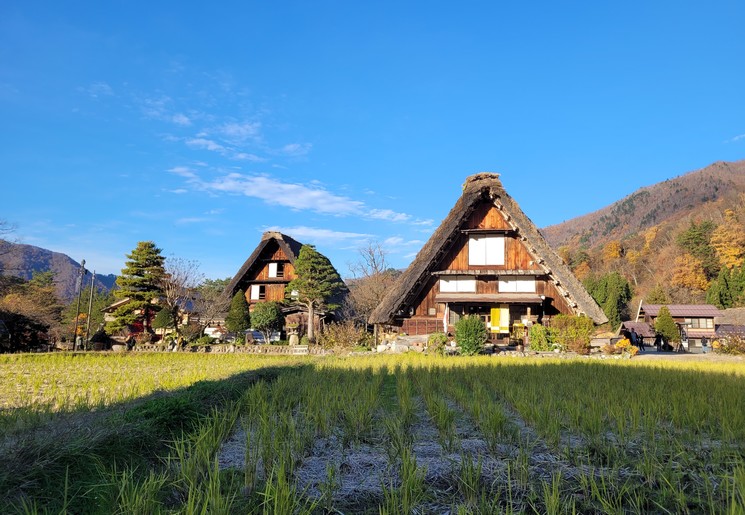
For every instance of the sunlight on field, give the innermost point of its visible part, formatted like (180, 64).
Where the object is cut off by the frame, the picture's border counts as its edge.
(415, 433)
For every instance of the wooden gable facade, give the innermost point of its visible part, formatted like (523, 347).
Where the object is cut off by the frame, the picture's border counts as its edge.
(487, 259)
(269, 269)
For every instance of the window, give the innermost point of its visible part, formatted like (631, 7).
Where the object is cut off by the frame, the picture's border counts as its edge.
(515, 284)
(276, 270)
(700, 323)
(258, 292)
(457, 283)
(486, 250)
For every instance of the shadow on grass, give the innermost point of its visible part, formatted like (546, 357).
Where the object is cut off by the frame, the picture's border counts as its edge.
(57, 467)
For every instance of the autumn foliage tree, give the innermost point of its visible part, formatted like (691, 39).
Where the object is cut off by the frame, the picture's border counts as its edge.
(728, 240)
(689, 272)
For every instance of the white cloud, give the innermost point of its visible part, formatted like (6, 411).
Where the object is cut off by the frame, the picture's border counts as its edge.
(312, 234)
(296, 149)
(181, 119)
(184, 171)
(206, 144)
(736, 138)
(99, 89)
(179, 191)
(393, 241)
(243, 156)
(292, 195)
(241, 132)
(389, 215)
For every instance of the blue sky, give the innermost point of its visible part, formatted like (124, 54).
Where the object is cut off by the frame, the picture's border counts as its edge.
(200, 126)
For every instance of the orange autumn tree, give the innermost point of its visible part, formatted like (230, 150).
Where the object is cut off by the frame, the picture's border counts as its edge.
(728, 240)
(688, 272)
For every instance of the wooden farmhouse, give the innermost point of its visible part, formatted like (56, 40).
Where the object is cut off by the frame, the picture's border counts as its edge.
(267, 272)
(488, 259)
(695, 321)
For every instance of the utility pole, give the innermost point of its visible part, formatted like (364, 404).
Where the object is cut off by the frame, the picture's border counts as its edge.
(90, 307)
(77, 310)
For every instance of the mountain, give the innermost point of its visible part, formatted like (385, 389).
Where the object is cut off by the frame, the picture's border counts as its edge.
(23, 260)
(674, 199)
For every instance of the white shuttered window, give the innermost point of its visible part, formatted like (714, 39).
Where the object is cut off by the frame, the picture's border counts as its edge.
(486, 250)
(510, 284)
(457, 284)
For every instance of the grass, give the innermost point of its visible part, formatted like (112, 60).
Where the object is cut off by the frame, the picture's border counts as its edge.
(98, 433)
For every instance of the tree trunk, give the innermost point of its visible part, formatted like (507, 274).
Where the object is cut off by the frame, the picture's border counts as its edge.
(311, 323)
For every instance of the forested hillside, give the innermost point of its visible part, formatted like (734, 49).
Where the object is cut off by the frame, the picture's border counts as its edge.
(679, 241)
(23, 261)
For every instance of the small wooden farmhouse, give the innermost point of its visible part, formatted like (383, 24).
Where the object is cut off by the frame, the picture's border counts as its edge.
(267, 272)
(695, 321)
(486, 258)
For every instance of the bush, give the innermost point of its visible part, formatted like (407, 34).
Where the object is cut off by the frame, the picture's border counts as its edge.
(573, 333)
(436, 342)
(540, 338)
(470, 333)
(344, 335)
(204, 340)
(735, 344)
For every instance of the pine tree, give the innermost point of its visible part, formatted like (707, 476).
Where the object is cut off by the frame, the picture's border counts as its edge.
(316, 284)
(720, 291)
(666, 326)
(140, 283)
(239, 316)
(612, 292)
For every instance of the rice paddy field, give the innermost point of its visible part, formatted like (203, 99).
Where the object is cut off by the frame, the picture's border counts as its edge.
(199, 433)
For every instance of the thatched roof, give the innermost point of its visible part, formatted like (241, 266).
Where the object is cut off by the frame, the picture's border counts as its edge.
(484, 187)
(289, 246)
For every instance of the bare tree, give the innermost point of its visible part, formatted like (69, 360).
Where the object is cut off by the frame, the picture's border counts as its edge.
(6, 229)
(178, 286)
(372, 278)
(211, 301)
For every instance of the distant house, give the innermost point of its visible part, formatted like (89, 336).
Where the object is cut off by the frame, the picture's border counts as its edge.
(732, 321)
(694, 320)
(266, 273)
(486, 258)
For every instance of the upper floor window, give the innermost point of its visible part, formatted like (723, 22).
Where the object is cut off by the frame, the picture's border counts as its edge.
(276, 270)
(457, 283)
(486, 250)
(700, 323)
(516, 284)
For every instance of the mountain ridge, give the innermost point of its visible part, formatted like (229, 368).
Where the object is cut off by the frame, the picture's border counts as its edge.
(23, 260)
(669, 200)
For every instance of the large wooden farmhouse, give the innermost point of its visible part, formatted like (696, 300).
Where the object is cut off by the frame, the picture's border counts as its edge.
(267, 272)
(486, 258)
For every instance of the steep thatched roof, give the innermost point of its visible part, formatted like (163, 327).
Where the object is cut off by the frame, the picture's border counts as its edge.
(289, 246)
(484, 187)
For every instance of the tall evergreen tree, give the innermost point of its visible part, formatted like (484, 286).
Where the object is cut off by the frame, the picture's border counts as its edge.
(316, 284)
(612, 292)
(696, 240)
(665, 325)
(719, 292)
(139, 282)
(239, 317)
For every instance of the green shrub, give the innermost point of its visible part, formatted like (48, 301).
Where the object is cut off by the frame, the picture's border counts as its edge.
(204, 340)
(573, 333)
(436, 342)
(540, 338)
(471, 334)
